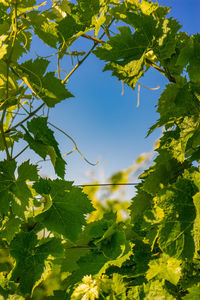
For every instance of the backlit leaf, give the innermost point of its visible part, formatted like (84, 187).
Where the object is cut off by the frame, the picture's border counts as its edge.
(66, 215)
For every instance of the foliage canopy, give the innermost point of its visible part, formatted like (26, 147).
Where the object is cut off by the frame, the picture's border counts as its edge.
(57, 241)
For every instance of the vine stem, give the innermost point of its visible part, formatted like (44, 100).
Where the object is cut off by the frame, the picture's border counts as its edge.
(24, 120)
(15, 27)
(3, 135)
(164, 72)
(96, 42)
(63, 81)
(20, 152)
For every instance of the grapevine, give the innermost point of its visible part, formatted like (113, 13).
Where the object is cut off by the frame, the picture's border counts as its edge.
(57, 240)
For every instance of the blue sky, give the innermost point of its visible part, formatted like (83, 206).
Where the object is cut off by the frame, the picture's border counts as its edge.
(106, 125)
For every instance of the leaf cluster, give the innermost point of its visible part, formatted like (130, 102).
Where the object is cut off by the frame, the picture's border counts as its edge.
(56, 240)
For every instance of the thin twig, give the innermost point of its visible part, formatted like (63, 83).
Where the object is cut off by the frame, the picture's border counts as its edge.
(105, 30)
(58, 52)
(20, 152)
(169, 77)
(99, 41)
(58, 67)
(24, 120)
(87, 54)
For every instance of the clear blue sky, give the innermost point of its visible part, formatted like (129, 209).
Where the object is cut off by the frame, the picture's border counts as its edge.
(106, 125)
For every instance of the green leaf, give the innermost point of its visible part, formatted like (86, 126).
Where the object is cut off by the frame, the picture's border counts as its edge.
(140, 203)
(69, 263)
(7, 287)
(69, 27)
(175, 233)
(190, 56)
(31, 256)
(183, 141)
(197, 222)
(32, 73)
(7, 169)
(35, 68)
(126, 59)
(12, 85)
(19, 192)
(80, 19)
(27, 171)
(115, 245)
(166, 44)
(66, 216)
(44, 143)
(164, 171)
(28, 5)
(10, 228)
(3, 46)
(122, 46)
(90, 264)
(165, 267)
(151, 290)
(57, 295)
(194, 293)
(53, 91)
(21, 196)
(47, 32)
(175, 102)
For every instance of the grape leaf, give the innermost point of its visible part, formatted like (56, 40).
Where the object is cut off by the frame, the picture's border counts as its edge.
(126, 59)
(66, 216)
(27, 171)
(31, 256)
(155, 290)
(175, 233)
(189, 56)
(165, 267)
(69, 263)
(53, 91)
(166, 44)
(182, 141)
(49, 88)
(91, 263)
(15, 193)
(175, 102)
(141, 202)
(69, 27)
(196, 230)
(80, 19)
(164, 171)
(20, 190)
(194, 293)
(47, 31)
(44, 143)
(58, 295)
(35, 68)
(10, 228)
(7, 169)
